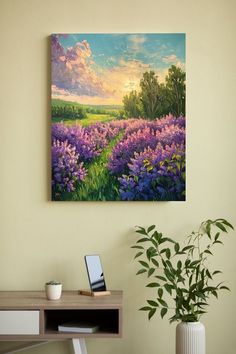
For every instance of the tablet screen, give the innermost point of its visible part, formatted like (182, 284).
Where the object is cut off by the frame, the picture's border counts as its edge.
(95, 273)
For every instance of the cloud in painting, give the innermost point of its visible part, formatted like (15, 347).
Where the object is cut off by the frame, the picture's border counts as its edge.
(72, 70)
(136, 41)
(172, 59)
(74, 74)
(125, 77)
(121, 79)
(58, 91)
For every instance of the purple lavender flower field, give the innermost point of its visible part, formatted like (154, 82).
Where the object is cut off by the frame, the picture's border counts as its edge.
(147, 161)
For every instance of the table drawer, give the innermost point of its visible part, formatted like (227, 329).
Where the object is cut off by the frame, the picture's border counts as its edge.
(19, 322)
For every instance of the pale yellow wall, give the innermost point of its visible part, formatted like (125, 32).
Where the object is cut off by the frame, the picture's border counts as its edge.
(39, 239)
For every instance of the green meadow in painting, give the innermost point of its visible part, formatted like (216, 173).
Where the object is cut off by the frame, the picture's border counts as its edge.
(118, 117)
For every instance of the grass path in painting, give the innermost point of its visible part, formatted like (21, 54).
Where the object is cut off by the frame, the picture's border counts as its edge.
(89, 120)
(99, 184)
(94, 118)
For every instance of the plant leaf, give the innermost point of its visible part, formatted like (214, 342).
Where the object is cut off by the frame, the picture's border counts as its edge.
(144, 264)
(157, 236)
(208, 229)
(218, 241)
(225, 288)
(160, 277)
(227, 223)
(144, 239)
(153, 303)
(138, 255)
(214, 292)
(177, 247)
(217, 235)
(208, 252)
(152, 227)
(220, 226)
(160, 292)
(168, 288)
(168, 253)
(208, 274)
(170, 240)
(151, 252)
(151, 271)
(169, 275)
(141, 231)
(151, 313)
(163, 311)
(194, 263)
(141, 271)
(179, 264)
(186, 248)
(145, 308)
(138, 247)
(153, 285)
(155, 262)
(162, 302)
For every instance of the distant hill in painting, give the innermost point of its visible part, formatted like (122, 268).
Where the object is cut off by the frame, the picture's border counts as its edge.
(59, 102)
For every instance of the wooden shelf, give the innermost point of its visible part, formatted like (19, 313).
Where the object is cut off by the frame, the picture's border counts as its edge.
(104, 311)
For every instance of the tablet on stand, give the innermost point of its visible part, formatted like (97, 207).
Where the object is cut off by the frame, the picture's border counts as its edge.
(96, 277)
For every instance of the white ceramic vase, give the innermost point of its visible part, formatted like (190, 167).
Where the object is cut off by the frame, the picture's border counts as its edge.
(53, 291)
(190, 338)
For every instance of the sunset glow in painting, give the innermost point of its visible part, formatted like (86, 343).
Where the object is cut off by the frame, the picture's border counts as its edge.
(118, 117)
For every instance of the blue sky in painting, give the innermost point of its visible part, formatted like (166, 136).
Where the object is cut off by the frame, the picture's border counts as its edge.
(149, 48)
(118, 61)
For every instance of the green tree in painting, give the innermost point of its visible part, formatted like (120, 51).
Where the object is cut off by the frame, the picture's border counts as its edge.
(121, 114)
(163, 101)
(175, 84)
(132, 105)
(68, 111)
(149, 94)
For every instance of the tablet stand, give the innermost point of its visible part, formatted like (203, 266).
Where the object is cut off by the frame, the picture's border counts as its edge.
(94, 293)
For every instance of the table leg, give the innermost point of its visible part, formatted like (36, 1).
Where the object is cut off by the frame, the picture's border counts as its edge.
(79, 346)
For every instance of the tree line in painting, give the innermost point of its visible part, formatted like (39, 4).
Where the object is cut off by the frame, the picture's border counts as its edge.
(134, 152)
(157, 99)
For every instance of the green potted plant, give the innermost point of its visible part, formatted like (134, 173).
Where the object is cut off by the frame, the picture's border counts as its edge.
(53, 290)
(183, 281)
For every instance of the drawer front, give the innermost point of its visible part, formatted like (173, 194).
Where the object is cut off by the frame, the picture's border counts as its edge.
(19, 322)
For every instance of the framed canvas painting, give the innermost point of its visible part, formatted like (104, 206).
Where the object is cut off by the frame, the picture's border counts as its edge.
(118, 117)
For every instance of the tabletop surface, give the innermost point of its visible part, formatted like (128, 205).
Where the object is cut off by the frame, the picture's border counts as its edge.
(70, 299)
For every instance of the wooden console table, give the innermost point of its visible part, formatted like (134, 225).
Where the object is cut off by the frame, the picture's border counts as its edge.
(29, 316)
